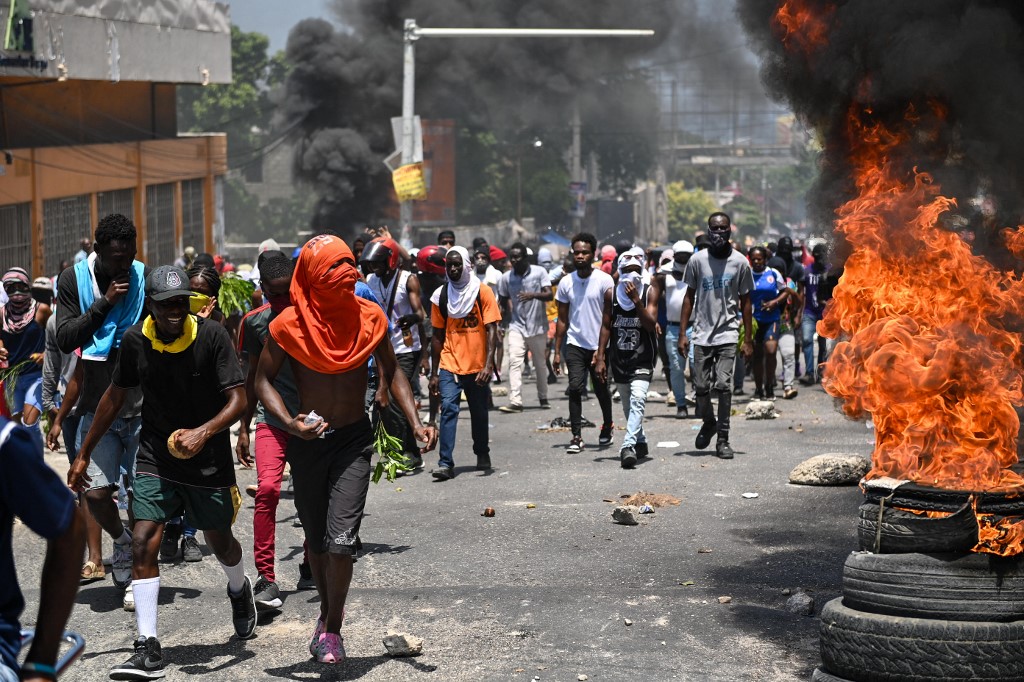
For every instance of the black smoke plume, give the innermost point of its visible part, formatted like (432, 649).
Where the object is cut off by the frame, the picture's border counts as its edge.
(345, 85)
(957, 64)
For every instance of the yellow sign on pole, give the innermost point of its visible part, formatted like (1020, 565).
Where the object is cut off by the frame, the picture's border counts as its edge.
(410, 184)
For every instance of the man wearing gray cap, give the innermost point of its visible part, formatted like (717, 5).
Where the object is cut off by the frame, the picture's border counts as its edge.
(193, 391)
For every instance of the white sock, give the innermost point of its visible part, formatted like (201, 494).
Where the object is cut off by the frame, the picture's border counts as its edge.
(236, 577)
(146, 592)
(125, 539)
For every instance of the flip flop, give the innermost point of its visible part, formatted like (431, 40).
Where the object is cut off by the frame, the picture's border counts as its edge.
(91, 572)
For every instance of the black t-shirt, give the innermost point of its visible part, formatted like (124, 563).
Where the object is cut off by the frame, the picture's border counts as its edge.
(632, 350)
(182, 391)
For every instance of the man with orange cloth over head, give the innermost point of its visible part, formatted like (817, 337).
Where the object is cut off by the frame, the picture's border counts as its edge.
(328, 335)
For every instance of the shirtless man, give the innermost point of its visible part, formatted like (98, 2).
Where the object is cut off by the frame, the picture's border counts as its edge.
(328, 335)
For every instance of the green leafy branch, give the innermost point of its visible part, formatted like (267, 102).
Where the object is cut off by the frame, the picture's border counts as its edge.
(390, 458)
(235, 295)
(9, 378)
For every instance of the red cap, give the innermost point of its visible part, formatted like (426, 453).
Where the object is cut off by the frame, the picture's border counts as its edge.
(497, 254)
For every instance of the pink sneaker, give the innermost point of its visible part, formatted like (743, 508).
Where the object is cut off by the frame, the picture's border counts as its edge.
(330, 649)
(317, 631)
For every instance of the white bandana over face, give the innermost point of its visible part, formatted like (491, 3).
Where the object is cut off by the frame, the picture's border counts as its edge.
(634, 256)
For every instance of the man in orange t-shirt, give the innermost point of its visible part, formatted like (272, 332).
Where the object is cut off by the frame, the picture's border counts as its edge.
(465, 318)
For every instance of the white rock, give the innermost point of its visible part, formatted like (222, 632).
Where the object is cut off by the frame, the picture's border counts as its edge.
(582, 678)
(626, 515)
(832, 468)
(627, 621)
(403, 644)
(760, 409)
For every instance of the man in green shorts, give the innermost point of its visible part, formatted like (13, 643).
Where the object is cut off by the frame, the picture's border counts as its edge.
(192, 389)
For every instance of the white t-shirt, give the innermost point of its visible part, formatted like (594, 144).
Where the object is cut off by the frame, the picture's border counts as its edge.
(585, 297)
(491, 277)
(675, 292)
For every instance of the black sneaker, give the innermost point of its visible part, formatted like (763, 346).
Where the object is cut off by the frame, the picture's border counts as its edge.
(606, 435)
(627, 457)
(443, 474)
(738, 391)
(267, 594)
(723, 450)
(190, 550)
(575, 446)
(306, 581)
(545, 405)
(682, 412)
(147, 663)
(169, 544)
(641, 450)
(483, 463)
(552, 377)
(243, 611)
(759, 394)
(769, 393)
(417, 461)
(707, 431)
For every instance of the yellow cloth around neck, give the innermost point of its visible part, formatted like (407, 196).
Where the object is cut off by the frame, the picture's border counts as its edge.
(179, 344)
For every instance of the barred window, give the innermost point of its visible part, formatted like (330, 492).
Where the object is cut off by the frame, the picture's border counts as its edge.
(16, 237)
(65, 222)
(193, 223)
(119, 201)
(160, 246)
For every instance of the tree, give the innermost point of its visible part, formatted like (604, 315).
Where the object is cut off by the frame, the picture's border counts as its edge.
(688, 210)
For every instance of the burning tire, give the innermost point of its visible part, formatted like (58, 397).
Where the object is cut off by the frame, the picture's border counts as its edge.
(904, 531)
(914, 496)
(870, 647)
(973, 587)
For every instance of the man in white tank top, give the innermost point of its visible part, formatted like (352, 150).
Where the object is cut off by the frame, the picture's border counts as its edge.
(399, 292)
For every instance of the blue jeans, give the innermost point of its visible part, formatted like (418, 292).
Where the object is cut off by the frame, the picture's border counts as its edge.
(115, 452)
(676, 364)
(634, 401)
(807, 331)
(451, 387)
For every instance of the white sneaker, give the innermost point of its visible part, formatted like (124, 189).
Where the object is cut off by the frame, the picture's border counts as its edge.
(129, 599)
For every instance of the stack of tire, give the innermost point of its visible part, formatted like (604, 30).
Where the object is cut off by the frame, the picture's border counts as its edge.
(920, 606)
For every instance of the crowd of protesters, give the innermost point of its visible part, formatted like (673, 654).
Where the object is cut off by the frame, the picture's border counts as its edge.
(140, 374)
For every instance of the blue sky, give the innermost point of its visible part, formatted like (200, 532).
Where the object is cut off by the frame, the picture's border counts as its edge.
(275, 18)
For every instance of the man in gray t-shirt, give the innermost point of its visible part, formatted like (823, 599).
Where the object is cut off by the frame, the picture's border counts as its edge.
(719, 281)
(525, 291)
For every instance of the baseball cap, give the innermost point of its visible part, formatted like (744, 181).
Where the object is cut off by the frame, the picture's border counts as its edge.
(42, 283)
(682, 246)
(167, 281)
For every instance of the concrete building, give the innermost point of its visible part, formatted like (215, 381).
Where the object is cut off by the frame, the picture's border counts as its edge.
(88, 126)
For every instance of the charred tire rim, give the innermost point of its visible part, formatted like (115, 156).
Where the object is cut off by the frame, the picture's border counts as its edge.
(921, 497)
(820, 675)
(871, 647)
(972, 587)
(903, 531)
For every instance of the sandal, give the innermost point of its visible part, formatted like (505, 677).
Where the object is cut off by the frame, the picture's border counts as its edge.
(91, 572)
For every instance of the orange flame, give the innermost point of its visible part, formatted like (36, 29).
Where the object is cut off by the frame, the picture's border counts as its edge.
(923, 350)
(798, 25)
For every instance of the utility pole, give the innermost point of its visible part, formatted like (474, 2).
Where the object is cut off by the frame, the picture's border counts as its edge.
(412, 33)
(577, 151)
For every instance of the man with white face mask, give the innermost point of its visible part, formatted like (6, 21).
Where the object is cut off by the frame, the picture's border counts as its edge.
(630, 346)
(674, 288)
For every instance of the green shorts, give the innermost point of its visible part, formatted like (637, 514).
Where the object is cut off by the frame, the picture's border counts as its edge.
(160, 500)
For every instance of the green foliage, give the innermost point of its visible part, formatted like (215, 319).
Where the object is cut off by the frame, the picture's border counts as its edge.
(390, 457)
(241, 108)
(235, 295)
(488, 182)
(688, 210)
(747, 216)
(9, 377)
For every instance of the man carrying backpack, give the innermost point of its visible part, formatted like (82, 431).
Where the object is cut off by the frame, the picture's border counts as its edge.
(465, 318)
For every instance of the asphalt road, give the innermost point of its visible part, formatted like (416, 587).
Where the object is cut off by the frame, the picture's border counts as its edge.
(540, 592)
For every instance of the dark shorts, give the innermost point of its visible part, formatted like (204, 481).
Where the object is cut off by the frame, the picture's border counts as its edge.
(766, 331)
(331, 477)
(160, 500)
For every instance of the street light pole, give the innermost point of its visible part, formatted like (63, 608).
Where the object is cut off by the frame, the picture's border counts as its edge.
(412, 33)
